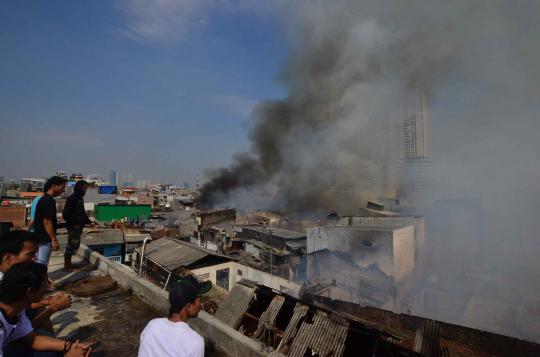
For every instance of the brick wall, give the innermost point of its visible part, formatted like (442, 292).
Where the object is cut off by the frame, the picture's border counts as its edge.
(16, 214)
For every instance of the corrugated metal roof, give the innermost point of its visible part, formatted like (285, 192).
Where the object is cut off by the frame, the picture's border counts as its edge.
(300, 310)
(172, 254)
(111, 236)
(267, 320)
(134, 236)
(325, 336)
(232, 310)
(428, 339)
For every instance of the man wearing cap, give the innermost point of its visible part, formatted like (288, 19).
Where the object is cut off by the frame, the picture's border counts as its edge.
(172, 336)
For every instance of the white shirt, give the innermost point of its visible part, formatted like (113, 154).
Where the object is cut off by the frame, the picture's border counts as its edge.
(9, 332)
(164, 338)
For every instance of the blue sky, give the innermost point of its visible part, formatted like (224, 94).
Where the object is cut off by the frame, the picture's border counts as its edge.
(161, 89)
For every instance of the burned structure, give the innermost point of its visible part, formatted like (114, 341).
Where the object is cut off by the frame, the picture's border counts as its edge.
(296, 328)
(369, 265)
(282, 251)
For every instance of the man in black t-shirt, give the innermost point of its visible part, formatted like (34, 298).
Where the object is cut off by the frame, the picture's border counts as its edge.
(45, 223)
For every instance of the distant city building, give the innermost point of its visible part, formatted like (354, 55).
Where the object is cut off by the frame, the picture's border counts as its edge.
(32, 184)
(62, 174)
(113, 177)
(76, 176)
(94, 179)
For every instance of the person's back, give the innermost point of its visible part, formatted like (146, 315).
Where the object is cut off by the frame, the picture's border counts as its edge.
(168, 337)
(33, 207)
(162, 337)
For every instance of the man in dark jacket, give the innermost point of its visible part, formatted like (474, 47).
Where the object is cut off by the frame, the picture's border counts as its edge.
(75, 216)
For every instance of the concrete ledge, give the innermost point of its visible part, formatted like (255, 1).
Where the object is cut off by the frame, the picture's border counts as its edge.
(222, 336)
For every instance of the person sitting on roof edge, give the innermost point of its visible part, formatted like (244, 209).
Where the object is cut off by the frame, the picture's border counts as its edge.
(23, 284)
(172, 336)
(20, 247)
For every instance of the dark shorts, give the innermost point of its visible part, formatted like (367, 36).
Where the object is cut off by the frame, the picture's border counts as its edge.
(74, 241)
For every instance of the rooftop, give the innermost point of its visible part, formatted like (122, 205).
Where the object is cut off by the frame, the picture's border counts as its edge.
(114, 319)
(264, 319)
(274, 231)
(172, 254)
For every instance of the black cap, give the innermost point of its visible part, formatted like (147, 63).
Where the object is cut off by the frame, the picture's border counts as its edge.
(185, 290)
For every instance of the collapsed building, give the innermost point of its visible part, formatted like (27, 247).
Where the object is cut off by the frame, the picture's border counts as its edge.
(283, 251)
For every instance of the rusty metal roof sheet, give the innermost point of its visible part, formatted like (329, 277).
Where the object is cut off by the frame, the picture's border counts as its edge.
(232, 310)
(267, 321)
(428, 338)
(300, 310)
(325, 336)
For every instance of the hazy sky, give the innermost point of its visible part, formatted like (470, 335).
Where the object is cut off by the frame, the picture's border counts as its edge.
(158, 88)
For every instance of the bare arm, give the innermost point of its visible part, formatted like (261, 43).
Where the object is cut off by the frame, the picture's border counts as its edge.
(57, 302)
(43, 302)
(49, 228)
(43, 343)
(47, 343)
(47, 223)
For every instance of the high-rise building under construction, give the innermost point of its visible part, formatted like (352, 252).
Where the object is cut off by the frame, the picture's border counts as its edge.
(416, 179)
(416, 132)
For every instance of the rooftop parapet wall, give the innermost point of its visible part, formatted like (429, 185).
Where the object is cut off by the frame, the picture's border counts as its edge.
(222, 336)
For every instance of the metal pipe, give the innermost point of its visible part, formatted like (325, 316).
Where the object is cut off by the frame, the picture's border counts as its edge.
(142, 254)
(167, 282)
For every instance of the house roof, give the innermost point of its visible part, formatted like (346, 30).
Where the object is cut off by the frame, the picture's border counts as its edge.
(134, 236)
(185, 199)
(276, 232)
(172, 254)
(296, 244)
(30, 194)
(110, 236)
(307, 326)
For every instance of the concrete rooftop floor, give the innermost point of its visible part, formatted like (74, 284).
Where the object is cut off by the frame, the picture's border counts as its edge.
(114, 320)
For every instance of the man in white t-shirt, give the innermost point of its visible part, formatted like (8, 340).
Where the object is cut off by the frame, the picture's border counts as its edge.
(172, 336)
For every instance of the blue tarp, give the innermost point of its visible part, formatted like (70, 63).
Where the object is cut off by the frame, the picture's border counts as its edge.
(108, 190)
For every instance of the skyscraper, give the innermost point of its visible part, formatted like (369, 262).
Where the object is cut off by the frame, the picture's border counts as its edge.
(416, 177)
(113, 177)
(415, 129)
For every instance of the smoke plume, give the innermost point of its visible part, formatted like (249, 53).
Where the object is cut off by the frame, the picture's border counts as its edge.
(351, 64)
(334, 141)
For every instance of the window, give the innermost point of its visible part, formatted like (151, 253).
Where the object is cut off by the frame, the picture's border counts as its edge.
(239, 272)
(222, 278)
